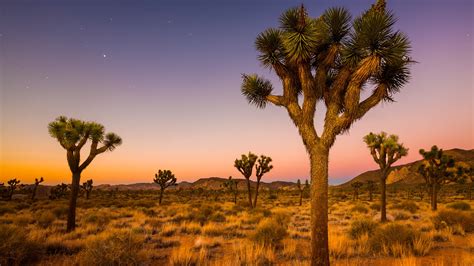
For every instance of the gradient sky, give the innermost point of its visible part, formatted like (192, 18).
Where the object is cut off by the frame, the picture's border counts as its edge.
(165, 76)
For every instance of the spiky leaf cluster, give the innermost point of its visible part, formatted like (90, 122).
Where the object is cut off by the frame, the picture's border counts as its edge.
(165, 178)
(13, 183)
(385, 149)
(331, 59)
(245, 164)
(263, 166)
(73, 133)
(437, 168)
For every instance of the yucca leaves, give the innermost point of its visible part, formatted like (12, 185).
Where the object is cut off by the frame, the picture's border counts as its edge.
(256, 89)
(336, 24)
(269, 44)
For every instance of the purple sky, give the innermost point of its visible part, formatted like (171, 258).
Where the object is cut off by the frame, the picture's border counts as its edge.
(165, 76)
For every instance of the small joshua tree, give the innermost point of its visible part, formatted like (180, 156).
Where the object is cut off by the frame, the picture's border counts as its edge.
(465, 173)
(263, 166)
(59, 191)
(356, 186)
(437, 169)
(371, 188)
(164, 178)
(301, 190)
(245, 167)
(12, 185)
(35, 187)
(72, 134)
(87, 187)
(231, 185)
(385, 150)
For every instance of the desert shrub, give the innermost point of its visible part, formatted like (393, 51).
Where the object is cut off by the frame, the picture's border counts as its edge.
(113, 248)
(402, 215)
(4, 209)
(16, 248)
(45, 219)
(453, 217)
(361, 227)
(60, 211)
(375, 206)
(100, 219)
(269, 231)
(407, 206)
(393, 239)
(360, 208)
(217, 217)
(461, 205)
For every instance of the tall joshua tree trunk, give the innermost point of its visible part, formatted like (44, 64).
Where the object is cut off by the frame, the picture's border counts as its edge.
(434, 197)
(319, 160)
(161, 195)
(256, 194)
(249, 193)
(383, 197)
(71, 217)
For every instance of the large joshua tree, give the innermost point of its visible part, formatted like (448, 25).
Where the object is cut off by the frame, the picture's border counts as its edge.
(164, 178)
(73, 134)
(262, 167)
(245, 166)
(328, 60)
(385, 150)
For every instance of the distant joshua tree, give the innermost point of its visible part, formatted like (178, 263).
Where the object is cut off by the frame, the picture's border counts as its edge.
(306, 189)
(12, 186)
(371, 186)
(465, 175)
(385, 150)
(35, 187)
(356, 186)
(300, 190)
(72, 134)
(231, 185)
(87, 187)
(59, 191)
(329, 60)
(245, 167)
(263, 166)
(437, 169)
(164, 178)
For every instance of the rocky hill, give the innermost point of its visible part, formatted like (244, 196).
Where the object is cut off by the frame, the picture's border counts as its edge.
(407, 173)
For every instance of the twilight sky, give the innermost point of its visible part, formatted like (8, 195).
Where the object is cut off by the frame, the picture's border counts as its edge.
(165, 76)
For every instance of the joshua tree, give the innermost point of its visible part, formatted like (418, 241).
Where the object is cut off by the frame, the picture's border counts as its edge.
(261, 168)
(12, 185)
(59, 191)
(72, 134)
(301, 190)
(35, 187)
(328, 60)
(465, 174)
(245, 167)
(231, 185)
(436, 169)
(164, 178)
(385, 150)
(87, 187)
(371, 188)
(356, 186)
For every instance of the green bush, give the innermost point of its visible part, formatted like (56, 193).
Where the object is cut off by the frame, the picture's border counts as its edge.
(454, 217)
(16, 248)
(361, 227)
(116, 248)
(269, 232)
(461, 205)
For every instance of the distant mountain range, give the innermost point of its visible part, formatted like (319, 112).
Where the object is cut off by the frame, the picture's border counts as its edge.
(407, 173)
(401, 174)
(210, 183)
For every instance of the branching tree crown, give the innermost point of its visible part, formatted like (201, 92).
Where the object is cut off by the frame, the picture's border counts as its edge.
(385, 149)
(263, 166)
(437, 167)
(245, 164)
(165, 178)
(72, 134)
